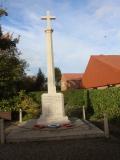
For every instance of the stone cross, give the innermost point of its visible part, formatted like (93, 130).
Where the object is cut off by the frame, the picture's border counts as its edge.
(48, 18)
(52, 102)
(49, 49)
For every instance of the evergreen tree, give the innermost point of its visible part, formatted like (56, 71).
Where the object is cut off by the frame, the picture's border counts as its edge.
(28, 83)
(40, 81)
(57, 77)
(1, 32)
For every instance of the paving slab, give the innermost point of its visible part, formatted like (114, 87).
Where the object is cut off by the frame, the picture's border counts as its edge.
(26, 132)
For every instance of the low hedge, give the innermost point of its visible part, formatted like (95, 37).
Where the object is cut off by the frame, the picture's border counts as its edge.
(105, 101)
(74, 100)
(74, 97)
(97, 102)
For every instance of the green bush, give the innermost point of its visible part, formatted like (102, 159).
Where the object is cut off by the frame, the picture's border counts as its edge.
(8, 105)
(73, 111)
(74, 97)
(74, 100)
(28, 105)
(36, 96)
(105, 101)
(97, 102)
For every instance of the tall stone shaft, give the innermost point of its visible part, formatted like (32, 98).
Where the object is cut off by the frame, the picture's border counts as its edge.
(52, 102)
(50, 61)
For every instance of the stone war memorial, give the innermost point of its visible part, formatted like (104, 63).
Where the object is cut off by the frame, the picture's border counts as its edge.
(52, 102)
(52, 124)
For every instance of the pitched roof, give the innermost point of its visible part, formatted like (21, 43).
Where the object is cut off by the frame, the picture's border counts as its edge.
(71, 76)
(102, 70)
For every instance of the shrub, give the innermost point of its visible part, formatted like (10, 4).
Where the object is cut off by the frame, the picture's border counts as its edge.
(74, 97)
(97, 102)
(73, 111)
(36, 96)
(28, 105)
(8, 105)
(74, 100)
(105, 101)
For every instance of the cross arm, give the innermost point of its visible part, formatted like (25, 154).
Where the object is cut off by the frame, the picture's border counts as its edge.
(44, 18)
(48, 17)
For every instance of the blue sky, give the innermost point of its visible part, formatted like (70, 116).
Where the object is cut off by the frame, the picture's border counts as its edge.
(82, 28)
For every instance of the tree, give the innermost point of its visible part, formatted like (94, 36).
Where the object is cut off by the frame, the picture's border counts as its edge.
(40, 81)
(28, 83)
(12, 67)
(1, 32)
(3, 12)
(6, 40)
(57, 77)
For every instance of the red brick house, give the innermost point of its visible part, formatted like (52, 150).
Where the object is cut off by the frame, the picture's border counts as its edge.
(102, 71)
(70, 80)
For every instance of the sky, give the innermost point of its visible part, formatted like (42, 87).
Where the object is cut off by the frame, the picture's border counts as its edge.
(82, 28)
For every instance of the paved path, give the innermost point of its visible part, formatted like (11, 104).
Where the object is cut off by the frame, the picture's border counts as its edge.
(81, 149)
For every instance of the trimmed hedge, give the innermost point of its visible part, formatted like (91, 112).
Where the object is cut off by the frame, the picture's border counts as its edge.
(74, 100)
(105, 101)
(74, 97)
(97, 102)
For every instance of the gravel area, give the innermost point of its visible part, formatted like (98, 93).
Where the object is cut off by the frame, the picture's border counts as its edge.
(81, 149)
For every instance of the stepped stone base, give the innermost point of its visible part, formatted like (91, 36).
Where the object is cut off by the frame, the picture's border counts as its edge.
(52, 109)
(26, 132)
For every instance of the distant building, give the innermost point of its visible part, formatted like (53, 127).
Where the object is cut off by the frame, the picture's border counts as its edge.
(101, 72)
(70, 81)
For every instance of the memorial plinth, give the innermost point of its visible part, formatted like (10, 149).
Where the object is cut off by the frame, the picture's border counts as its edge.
(52, 102)
(53, 109)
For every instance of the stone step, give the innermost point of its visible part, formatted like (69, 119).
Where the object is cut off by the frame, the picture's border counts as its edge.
(80, 130)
